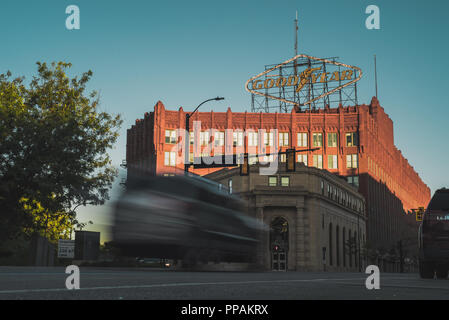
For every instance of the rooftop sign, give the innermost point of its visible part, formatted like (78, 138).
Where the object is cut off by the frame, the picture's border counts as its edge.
(303, 80)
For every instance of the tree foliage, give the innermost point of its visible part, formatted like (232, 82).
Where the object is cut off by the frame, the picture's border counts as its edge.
(53, 147)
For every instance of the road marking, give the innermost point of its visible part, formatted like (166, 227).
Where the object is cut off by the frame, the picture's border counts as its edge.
(398, 286)
(174, 285)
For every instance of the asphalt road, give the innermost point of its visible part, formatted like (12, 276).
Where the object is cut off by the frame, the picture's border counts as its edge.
(109, 283)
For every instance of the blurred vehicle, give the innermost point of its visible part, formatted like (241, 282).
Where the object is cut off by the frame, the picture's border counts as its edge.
(434, 237)
(188, 218)
(163, 263)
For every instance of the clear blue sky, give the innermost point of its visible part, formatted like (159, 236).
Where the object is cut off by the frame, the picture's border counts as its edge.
(182, 52)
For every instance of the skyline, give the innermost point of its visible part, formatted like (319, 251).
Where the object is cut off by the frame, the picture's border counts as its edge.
(181, 54)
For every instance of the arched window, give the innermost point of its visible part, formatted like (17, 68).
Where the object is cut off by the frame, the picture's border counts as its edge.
(330, 244)
(356, 249)
(344, 247)
(350, 246)
(337, 244)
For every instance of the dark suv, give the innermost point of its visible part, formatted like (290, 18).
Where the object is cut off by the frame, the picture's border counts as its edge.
(434, 237)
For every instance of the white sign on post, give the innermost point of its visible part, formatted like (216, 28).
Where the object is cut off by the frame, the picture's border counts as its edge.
(66, 248)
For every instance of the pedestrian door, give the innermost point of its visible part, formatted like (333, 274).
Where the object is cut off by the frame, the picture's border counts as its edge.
(279, 261)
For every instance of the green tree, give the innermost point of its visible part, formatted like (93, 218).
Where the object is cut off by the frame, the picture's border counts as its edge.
(53, 148)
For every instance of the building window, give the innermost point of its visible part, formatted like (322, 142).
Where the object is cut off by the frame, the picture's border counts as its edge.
(330, 244)
(205, 154)
(344, 247)
(322, 187)
(170, 159)
(268, 138)
(302, 139)
(318, 161)
(302, 158)
(317, 139)
(230, 185)
(350, 248)
(337, 244)
(252, 139)
(332, 162)
(237, 139)
(283, 157)
(283, 139)
(219, 138)
(285, 181)
(354, 180)
(332, 139)
(329, 190)
(268, 159)
(170, 136)
(252, 159)
(351, 161)
(356, 249)
(272, 181)
(204, 138)
(352, 139)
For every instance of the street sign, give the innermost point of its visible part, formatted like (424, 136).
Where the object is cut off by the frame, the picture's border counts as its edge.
(66, 248)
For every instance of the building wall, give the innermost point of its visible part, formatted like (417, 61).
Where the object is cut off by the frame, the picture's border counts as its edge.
(389, 183)
(309, 211)
(377, 153)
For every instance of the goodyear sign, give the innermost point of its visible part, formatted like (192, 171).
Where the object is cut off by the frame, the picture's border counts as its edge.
(331, 75)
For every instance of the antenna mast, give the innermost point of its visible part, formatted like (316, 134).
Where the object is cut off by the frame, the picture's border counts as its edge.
(296, 34)
(375, 73)
(295, 65)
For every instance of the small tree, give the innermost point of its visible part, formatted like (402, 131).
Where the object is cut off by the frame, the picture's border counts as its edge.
(53, 149)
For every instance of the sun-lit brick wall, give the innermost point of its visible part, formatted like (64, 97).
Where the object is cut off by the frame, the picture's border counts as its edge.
(376, 153)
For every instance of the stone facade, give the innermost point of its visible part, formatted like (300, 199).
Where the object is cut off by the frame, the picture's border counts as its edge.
(321, 211)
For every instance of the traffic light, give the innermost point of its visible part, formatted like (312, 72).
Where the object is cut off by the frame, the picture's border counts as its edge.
(419, 214)
(244, 167)
(291, 160)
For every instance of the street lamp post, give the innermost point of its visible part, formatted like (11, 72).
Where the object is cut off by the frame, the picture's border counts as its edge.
(187, 135)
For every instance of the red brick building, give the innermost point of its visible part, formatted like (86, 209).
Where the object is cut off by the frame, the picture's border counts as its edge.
(355, 142)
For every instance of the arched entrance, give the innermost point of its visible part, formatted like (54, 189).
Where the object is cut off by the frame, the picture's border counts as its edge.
(279, 244)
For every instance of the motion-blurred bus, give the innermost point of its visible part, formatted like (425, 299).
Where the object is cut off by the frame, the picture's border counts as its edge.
(184, 217)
